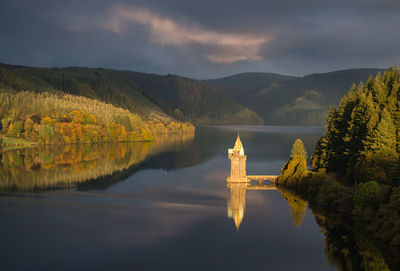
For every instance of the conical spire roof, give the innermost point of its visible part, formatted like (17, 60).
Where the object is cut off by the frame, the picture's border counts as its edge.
(239, 146)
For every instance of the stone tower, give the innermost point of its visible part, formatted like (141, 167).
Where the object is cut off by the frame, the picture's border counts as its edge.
(238, 162)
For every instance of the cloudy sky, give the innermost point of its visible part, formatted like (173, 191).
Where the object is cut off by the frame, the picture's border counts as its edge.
(202, 39)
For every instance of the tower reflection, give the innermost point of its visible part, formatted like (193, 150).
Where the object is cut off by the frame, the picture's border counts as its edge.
(237, 202)
(239, 182)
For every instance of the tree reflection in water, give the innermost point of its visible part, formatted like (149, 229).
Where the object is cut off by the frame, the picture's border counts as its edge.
(346, 244)
(52, 166)
(297, 206)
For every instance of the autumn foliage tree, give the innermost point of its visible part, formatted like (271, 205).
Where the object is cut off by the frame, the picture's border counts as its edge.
(63, 119)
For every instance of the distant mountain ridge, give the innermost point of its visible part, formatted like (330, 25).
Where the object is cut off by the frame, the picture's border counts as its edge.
(287, 100)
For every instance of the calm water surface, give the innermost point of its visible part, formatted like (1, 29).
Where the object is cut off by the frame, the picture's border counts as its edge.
(156, 206)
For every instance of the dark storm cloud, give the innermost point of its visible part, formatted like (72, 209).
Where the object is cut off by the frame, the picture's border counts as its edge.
(202, 38)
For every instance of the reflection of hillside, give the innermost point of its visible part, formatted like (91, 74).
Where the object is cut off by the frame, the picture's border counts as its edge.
(176, 155)
(53, 166)
(168, 152)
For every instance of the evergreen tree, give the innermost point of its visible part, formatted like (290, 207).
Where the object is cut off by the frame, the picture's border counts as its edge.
(383, 137)
(379, 91)
(319, 158)
(296, 166)
(337, 134)
(298, 150)
(362, 140)
(363, 120)
(380, 155)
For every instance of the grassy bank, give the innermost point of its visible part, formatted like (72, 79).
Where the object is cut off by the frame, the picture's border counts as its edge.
(10, 143)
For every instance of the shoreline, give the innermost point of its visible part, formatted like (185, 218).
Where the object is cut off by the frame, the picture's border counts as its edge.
(23, 144)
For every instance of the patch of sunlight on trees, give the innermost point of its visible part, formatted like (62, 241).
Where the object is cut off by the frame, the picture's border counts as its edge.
(295, 168)
(362, 138)
(62, 118)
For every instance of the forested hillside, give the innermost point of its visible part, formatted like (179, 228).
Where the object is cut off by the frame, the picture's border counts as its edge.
(247, 98)
(243, 86)
(192, 100)
(152, 97)
(100, 84)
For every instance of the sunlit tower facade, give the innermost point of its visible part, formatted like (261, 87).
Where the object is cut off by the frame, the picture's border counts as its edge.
(238, 162)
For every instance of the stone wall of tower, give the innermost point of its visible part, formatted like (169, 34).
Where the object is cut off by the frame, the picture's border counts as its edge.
(238, 167)
(235, 165)
(242, 166)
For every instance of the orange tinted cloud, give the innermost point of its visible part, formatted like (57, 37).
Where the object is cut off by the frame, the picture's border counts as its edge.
(226, 47)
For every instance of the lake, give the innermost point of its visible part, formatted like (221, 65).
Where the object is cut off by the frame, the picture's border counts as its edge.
(157, 206)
